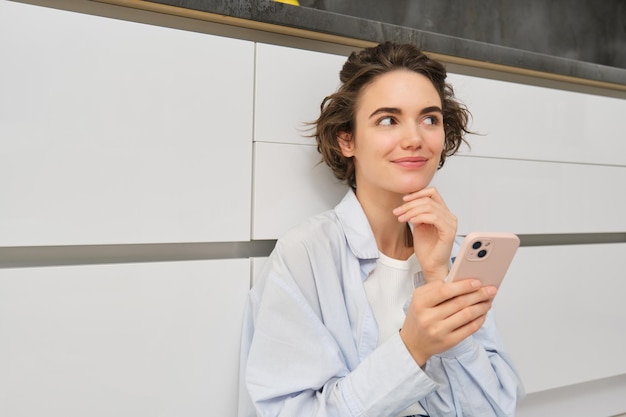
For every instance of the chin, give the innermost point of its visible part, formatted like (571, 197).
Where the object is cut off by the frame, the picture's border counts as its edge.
(412, 187)
(413, 183)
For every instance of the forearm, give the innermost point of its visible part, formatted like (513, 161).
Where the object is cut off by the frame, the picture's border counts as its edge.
(388, 381)
(384, 383)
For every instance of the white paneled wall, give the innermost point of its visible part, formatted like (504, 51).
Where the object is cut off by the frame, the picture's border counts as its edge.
(306, 187)
(290, 184)
(561, 312)
(290, 85)
(116, 133)
(519, 121)
(127, 340)
(533, 197)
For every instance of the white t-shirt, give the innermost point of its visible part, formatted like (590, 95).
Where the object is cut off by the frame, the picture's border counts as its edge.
(388, 289)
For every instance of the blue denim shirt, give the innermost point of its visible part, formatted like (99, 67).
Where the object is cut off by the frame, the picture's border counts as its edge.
(309, 340)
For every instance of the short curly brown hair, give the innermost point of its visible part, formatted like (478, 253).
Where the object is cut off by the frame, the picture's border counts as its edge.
(338, 110)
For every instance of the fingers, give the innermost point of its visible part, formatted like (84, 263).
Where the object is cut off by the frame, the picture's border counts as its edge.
(438, 292)
(442, 314)
(426, 207)
(454, 306)
(434, 230)
(424, 201)
(467, 315)
(429, 192)
(468, 328)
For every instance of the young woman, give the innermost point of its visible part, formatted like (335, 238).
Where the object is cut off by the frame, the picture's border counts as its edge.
(351, 315)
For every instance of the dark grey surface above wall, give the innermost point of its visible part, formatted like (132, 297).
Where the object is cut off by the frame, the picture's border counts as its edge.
(583, 30)
(579, 38)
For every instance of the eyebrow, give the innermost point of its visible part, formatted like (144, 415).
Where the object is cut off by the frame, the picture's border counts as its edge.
(395, 110)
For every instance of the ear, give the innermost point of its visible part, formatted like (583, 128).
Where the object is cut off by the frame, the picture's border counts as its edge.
(346, 144)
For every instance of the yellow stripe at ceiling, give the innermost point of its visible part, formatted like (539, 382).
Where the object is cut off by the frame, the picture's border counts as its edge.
(293, 2)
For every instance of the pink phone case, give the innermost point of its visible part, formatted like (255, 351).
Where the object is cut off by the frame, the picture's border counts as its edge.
(486, 256)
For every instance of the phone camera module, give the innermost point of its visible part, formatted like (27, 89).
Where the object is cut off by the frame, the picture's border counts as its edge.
(477, 244)
(481, 253)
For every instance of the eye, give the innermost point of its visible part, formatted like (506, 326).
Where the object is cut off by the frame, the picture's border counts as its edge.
(431, 120)
(386, 121)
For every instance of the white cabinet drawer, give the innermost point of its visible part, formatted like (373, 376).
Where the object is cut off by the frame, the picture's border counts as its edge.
(531, 197)
(118, 132)
(290, 86)
(545, 124)
(122, 339)
(561, 312)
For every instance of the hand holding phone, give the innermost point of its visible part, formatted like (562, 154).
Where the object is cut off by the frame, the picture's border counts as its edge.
(485, 256)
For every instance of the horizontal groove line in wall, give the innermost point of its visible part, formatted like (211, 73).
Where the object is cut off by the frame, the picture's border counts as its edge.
(547, 161)
(34, 256)
(571, 239)
(284, 142)
(39, 256)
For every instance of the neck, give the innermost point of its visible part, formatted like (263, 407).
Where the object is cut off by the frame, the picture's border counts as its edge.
(390, 234)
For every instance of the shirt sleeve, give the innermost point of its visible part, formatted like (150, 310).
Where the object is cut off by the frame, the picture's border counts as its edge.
(476, 378)
(293, 366)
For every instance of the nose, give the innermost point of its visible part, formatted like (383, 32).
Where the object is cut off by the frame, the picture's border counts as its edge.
(412, 137)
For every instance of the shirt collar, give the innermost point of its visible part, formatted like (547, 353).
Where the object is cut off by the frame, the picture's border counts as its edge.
(356, 227)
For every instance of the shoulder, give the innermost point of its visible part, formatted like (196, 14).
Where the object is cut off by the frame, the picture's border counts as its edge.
(316, 243)
(316, 249)
(306, 254)
(331, 230)
(322, 233)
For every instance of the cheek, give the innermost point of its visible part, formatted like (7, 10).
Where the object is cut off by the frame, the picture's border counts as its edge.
(375, 146)
(436, 147)
(437, 141)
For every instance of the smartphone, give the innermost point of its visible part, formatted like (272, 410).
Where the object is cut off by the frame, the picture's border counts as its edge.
(485, 256)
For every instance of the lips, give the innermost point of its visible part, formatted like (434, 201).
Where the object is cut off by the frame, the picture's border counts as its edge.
(411, 161)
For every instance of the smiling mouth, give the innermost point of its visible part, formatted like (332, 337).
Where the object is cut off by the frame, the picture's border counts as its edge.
(411, 162)
(411, 159)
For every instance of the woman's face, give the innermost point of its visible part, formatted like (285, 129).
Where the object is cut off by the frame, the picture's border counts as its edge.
(398, 136)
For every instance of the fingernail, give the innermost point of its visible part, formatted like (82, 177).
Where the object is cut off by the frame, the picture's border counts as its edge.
(476, 283)
(491, 290)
